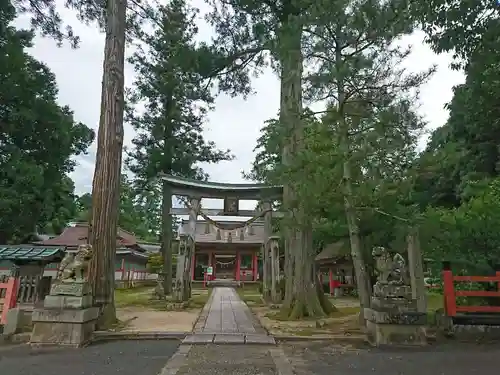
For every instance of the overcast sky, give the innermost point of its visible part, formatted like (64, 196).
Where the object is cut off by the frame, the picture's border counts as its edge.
(235, 124)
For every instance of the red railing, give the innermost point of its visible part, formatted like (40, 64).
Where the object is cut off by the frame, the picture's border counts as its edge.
(450, 294)
(8, 296)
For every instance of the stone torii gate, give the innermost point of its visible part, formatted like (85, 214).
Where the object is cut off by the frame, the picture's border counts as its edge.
(194, 191)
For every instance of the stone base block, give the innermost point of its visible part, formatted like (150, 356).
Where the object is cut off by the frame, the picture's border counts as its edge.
(392, 290)
(70, 288)
(62, 333)
(395, 317)
(63, 327)
(65, 316)
(67, 302)
(475, 332)
(395, 334)
(18, 320)
(391, 304)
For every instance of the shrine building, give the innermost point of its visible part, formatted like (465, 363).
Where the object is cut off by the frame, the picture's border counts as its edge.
(232, 254)
(228, 240)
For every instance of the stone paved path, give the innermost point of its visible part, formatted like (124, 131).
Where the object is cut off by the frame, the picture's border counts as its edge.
(226, 319)
(228, 360)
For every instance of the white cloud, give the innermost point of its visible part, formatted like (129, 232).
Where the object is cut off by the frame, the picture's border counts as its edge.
(235, 124)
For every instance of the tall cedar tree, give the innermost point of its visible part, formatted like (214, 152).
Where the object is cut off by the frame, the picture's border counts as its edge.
(106, 184)
(113, 18)
(287, 29)
(110, 16)
(35, 191)
(359, 71)
(249, 29)
(176, 98)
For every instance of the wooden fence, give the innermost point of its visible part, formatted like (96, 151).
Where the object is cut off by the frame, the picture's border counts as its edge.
(451, 294)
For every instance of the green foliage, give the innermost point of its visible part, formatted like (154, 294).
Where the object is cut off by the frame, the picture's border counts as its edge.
(38, 139)
(384, 147)
(176, 98)
(155, 263)
(139, 210)
(465, 150)
(468, 234)
(461, 26)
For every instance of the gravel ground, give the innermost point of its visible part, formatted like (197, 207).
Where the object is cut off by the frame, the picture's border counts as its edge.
(445, 359)
(228, 360)
(145, 357)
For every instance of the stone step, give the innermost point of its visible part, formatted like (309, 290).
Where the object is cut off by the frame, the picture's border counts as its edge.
(224, 283)
(228, 339)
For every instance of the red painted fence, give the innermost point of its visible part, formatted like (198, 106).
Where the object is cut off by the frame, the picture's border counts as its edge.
(8, 297)
(450, 294)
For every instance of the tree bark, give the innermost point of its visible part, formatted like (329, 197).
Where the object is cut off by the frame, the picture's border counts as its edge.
(166, 236)
(268, 231)
(182, 290)
(106, 183)
(362, 278)
(301, 297)
(275, 270)
(166, 230)
(416, 270)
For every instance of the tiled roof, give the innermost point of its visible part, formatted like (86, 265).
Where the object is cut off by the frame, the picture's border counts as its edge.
(26, 253)
(333, 251)
(78, 235)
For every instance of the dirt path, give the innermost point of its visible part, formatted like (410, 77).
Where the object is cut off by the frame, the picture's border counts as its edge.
(146, 320)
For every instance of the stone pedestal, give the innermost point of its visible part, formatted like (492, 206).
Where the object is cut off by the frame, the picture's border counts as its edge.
(393, 318)
(67, 317)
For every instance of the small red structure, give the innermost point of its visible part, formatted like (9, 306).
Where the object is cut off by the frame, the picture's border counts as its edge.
(450, 294)
(10, 296)
(334, 264)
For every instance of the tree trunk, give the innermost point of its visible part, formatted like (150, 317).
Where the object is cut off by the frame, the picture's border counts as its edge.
(182, 290)
(301, 298)
(268, 231)
(166, 236)
(106, 183)
(362, 277)
(416, 270)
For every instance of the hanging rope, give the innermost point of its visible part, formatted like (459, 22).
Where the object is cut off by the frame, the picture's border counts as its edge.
(224, 263)
(229, 226)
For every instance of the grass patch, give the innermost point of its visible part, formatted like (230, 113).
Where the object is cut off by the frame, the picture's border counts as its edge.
(141, 297)
(434, 302)
(199, 298)
(305, 332)
(252, 288)
(251, 296)
(340, 313)
(133, 297)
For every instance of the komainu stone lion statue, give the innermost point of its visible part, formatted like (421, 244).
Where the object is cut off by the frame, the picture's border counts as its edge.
(74, 266)
(390, 269)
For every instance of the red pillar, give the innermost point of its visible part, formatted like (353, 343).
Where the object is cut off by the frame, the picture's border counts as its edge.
(450, 302)
(238, 264)
(255, 266)
(330, 279)
(498, 275)
(10, 299)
